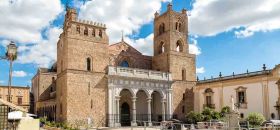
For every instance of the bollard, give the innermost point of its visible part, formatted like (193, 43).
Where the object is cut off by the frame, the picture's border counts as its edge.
(144, 125)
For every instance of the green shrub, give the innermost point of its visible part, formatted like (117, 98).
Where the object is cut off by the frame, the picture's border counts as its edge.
(193, 117)
(255, 119)
(225, 110)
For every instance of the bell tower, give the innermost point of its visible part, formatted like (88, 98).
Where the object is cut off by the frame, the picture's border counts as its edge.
(170, 32)
(171, 48)
(171, 54)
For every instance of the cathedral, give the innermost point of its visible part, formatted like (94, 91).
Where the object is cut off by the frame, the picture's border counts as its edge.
(113, 84)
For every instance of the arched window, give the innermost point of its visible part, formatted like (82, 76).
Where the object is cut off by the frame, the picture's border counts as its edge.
(88, 64)
(179, 46)
(124, 64)
(178, 26)
(93, 32)
(78, 29)
(161, 28)
(208, 98)
(161, 48)
(183, 74)
(86, 31)
(100, 33)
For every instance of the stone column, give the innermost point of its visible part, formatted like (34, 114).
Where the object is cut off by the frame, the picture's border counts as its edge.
(117, 120)
(163, 109)
(133, 123)
(149, 111)
(169, 104)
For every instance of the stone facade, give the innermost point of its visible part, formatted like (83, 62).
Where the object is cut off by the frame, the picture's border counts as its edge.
(20, 96)
(95, 82)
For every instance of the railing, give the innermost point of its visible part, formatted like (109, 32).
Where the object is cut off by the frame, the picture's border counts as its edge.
(248, 74)
(139, 73)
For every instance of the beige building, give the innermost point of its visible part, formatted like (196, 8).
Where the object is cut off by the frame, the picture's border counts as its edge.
(252, 92)
(116, 85)
(20, 96)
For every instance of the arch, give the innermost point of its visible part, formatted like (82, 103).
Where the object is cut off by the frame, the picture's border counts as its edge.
(144, 90)
(118, 93)
(161, 48)
(161, 28)
(179, 46)
(88, 63)
(124, 64)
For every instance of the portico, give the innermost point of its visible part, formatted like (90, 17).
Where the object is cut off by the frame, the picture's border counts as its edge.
(138, 95)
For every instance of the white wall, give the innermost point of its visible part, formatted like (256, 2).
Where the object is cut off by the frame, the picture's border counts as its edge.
(254, 95)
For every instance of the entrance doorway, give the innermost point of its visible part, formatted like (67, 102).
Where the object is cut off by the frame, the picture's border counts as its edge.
(125, 114)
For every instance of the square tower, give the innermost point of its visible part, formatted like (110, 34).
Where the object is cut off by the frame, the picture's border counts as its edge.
(171, 54)
(82, 60)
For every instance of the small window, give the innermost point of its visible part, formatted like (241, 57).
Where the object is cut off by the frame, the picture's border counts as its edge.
(86, 31)
(78, 29)
(161, 28)
(241, 97)
(124, 64)
(88, 88)
(183, 96)
(100, 33)
(208, 98)
(183, 109)
(93, 32)
(176, 26)
(91, 104)
(60, 108)
(241, 115)
(183, 74)
(19, 100)
(88, 64)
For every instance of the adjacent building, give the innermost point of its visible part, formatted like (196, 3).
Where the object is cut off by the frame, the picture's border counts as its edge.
(20, 96)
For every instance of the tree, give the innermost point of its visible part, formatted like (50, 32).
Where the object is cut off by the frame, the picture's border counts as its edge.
(255, 119)
(193, 117)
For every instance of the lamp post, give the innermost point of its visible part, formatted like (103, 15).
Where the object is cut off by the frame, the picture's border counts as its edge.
(11, 55)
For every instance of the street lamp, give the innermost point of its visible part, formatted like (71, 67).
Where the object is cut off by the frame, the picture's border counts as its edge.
(11, 55)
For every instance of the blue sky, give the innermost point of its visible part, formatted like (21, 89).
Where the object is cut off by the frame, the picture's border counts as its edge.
(227, 36)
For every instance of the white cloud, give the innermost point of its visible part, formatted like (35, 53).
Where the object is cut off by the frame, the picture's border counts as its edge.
(144, 45)
(118, 15)
(200, 70)
(19, 74)
(194, 48)
(23, 20)
(43, 53)
(211, 17)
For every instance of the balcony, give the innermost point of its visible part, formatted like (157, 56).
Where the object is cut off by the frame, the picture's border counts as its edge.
(138, 73)
(212, 106)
